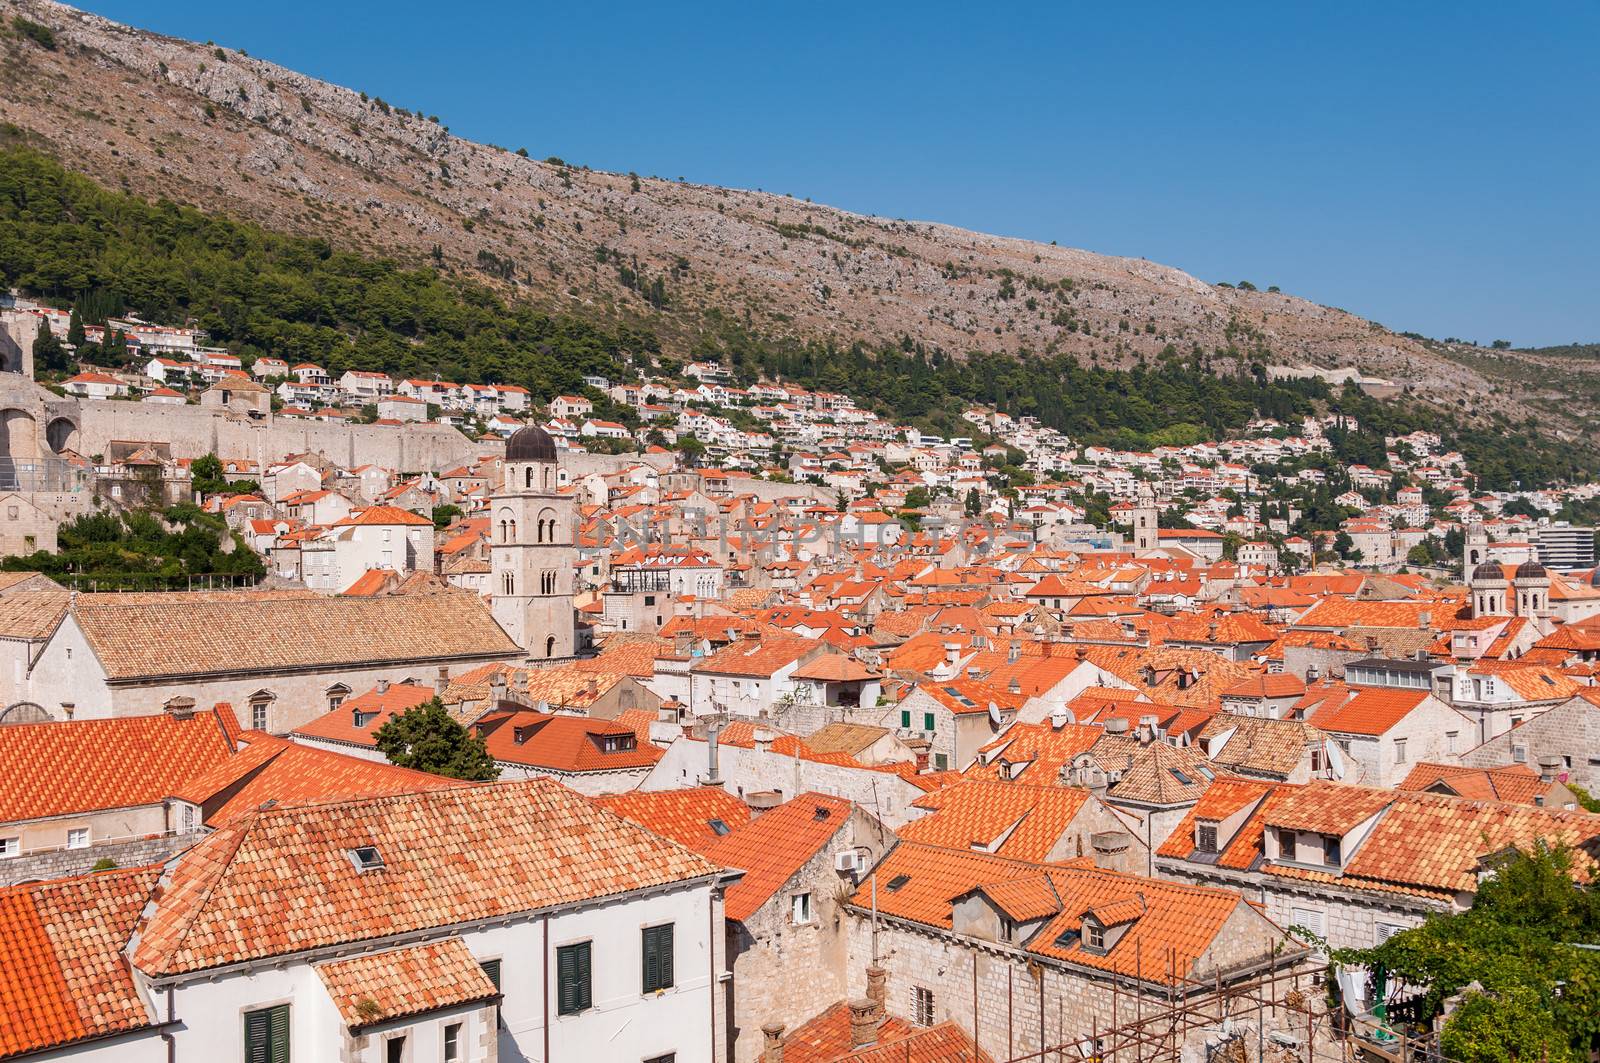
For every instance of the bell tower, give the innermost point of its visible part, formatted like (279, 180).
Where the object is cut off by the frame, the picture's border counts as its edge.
(533, 548)
(1146, 520)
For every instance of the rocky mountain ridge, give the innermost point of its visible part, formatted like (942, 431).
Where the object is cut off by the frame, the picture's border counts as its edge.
(225, 131)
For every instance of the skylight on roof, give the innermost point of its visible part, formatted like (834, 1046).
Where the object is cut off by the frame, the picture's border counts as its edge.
(719, 828)
(896, 882)
(1181, 777)
(366, 858)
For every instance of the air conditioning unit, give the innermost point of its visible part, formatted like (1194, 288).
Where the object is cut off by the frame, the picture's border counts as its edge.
(850, 860)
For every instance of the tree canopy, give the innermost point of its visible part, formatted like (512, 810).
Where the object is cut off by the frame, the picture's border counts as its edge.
(1534, 990)
(427, 738)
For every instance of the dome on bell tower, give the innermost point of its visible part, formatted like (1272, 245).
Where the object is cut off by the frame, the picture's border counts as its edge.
(530, 444)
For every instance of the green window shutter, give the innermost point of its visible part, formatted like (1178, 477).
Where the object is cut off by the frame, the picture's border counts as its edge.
(657, 958)
(280, 1034)
(584, 1000)
(491, 970)
(905, 719)
(927, 721)
(572, 978)
(266, 1035)
(255, 1037)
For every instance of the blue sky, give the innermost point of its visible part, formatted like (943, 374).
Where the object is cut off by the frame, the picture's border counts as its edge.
(1432, 166)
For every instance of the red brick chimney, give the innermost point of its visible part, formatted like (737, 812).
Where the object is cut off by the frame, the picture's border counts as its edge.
(863, 1023)
(877, 991)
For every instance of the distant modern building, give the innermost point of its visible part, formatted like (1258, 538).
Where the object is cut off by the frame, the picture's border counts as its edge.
(1565, 547)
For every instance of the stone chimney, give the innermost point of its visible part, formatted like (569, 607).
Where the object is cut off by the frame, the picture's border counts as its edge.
(952, 653)
(1147, 730)
(1548, 767)
(441, 682)
(497, 689)
(772, 1042)
(863, 1023)
(1015, 652)
(383, 686)
(1059, 717)
(877, 990)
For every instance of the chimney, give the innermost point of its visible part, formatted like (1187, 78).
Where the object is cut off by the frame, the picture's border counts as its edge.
(1548, 767)
(1059, 717)
(683, 643)
(974, 672)
(1424, 620)
(1147, 730)
(713, 772)
(1015, 686)
(1081, 652)
(383, 686)
(876, 990)
(1015, 651)
(441, 682)
(952, 653)
(592, 687)
(772, 1042)
(1313, 673)
(863, 1023)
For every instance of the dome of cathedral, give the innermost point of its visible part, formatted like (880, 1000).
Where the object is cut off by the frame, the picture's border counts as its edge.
(1529, 570)
(531, 444)
(1488, 571)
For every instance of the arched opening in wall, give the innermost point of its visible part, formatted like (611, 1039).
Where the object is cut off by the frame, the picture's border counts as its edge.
(61, 434)
(508, 583)
(527, 478)
(25, 712)
(550, 646)
(19, 443)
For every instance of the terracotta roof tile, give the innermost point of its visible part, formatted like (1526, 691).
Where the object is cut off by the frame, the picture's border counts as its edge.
(449, 856)
(398, 983)
(777, 844)
(563, 743)
(1014, 820)
(54, 769)
(179, 634)
(690, 817)
(62, 973)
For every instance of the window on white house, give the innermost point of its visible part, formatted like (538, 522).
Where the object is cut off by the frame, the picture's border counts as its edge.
(78, 838)
(921, 1006)
(1399, 750)
(1450, 738)
(10, 847)
(800, 910)
(258, 715)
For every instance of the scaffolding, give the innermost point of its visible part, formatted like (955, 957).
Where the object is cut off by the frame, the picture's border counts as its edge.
(1289, 1000)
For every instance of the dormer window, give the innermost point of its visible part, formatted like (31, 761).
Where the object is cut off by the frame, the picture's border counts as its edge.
(1205, 837)
(618, 743)
(360, 719)
(1094, 936)
(366, 858)
(1330, 850)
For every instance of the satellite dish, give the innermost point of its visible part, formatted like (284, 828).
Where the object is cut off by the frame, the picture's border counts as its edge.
(994, 714)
